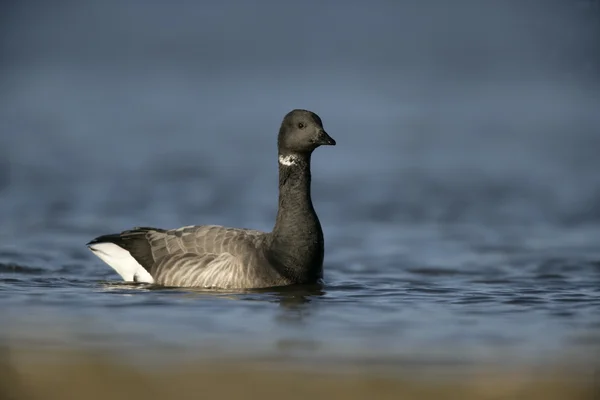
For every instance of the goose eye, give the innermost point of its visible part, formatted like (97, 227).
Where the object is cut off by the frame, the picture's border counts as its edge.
(300, 125)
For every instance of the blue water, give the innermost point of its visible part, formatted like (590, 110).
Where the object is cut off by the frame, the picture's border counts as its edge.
(461, 206)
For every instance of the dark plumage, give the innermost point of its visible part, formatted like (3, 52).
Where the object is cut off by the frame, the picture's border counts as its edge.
(220, 257)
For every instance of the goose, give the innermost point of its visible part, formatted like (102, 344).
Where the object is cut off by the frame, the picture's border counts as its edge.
(219, 257)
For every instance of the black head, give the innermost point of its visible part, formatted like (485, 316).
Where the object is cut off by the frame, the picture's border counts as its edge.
(301, 132)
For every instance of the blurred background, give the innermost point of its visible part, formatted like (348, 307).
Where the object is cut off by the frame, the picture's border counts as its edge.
(461, 206)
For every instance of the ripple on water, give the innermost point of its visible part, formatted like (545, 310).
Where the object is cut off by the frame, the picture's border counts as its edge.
(434, 272)
(21, 269)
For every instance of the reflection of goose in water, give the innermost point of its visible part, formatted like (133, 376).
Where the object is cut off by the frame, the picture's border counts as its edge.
(210, 256)
(287, 296)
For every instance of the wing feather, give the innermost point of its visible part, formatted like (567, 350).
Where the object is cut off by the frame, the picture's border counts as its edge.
(201, 239)
(203, 256)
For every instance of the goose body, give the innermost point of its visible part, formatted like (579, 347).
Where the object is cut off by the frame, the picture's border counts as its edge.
(211, 256)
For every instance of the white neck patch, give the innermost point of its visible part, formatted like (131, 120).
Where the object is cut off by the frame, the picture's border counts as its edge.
(288, 160)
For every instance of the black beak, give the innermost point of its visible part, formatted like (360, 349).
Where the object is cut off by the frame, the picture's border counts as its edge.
(325, 139)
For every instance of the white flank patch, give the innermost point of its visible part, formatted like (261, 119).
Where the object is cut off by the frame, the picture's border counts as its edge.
(288, 160)
(121, 261)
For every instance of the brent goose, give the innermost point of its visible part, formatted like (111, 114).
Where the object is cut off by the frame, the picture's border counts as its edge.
(210, 256)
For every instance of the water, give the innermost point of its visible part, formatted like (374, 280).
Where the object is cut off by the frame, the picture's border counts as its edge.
(461, 210)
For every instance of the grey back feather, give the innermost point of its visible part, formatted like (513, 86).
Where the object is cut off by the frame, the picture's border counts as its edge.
(210, 256)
